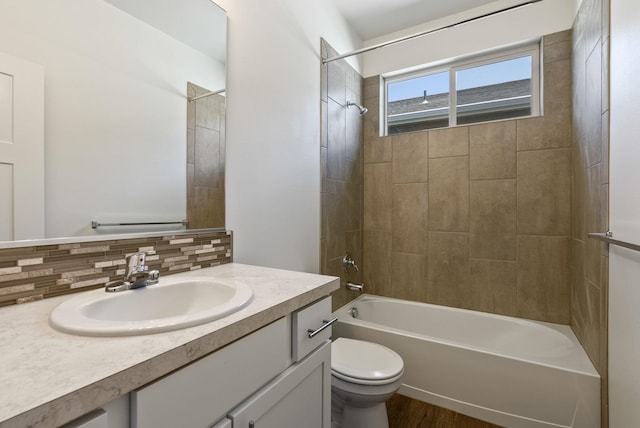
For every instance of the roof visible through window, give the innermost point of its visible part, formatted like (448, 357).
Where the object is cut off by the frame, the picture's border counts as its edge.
(491, 88)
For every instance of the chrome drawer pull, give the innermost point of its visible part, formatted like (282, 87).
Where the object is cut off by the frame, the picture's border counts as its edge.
(325, 324)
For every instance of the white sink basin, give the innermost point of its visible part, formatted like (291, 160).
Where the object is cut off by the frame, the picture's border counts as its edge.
(168, 305)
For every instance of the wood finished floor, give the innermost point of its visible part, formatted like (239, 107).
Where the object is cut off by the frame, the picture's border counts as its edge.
(405, 412)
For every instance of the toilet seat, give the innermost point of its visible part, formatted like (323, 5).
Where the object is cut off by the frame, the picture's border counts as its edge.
(365, 363)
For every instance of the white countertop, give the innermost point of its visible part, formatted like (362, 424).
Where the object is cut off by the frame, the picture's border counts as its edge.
(49, 378)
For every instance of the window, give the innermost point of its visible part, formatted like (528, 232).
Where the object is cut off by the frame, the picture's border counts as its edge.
(498, 86)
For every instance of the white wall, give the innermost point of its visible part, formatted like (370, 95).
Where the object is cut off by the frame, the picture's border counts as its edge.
(519, 25)
(115, 110)
(624, 265)
(273, 123)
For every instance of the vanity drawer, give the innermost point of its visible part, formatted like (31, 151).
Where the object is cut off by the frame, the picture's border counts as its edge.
(313, 320)
(204, 391)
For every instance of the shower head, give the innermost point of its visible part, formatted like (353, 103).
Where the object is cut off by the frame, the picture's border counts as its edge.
(363, 110)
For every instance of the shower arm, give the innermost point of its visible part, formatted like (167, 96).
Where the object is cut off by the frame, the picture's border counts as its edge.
(363, 110)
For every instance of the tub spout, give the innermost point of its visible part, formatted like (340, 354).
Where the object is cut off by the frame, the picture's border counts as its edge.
(355, 287)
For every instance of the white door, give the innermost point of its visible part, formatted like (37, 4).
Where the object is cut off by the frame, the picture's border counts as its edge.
(21, 149)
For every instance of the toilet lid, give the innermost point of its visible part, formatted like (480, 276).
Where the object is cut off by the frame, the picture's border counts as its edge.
(358, 359)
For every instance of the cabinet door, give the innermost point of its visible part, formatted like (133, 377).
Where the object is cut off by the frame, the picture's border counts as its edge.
(300, 397)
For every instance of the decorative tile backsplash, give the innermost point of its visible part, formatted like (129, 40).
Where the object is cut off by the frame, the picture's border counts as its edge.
(33, 273)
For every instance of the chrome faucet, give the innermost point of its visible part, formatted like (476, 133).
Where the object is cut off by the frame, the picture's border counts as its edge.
(136, 268)
(347, 262)
(136, 274)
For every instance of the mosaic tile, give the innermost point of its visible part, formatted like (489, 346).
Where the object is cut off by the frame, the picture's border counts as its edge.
(33, 273)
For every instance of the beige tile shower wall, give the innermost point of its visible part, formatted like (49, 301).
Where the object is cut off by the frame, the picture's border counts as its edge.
(205, 159)
(590, 258)
(341, 150)
(476, 216)
(33, 273)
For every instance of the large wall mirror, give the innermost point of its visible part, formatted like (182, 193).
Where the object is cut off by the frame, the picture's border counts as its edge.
(121, 142)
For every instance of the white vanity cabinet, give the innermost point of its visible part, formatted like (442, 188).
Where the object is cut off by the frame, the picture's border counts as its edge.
(274, 377)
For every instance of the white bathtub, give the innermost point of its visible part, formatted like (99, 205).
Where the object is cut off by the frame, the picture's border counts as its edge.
(508, 371)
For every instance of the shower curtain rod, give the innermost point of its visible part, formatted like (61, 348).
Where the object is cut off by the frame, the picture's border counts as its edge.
(424, 33)
(207, 94)
(608, 238)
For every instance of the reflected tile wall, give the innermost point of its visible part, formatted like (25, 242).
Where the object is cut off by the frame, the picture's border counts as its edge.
(343, 175)
(476, 216)
(205, 159)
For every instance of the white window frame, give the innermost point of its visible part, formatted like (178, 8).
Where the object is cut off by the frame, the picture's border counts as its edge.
(531, 49)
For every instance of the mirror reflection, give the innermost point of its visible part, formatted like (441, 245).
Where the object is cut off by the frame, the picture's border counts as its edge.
(95, 121)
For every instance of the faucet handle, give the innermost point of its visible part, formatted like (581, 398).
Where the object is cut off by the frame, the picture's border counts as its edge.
(137, 260)
(347, 262)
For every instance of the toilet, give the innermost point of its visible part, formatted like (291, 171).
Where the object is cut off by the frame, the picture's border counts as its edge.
(363, 376)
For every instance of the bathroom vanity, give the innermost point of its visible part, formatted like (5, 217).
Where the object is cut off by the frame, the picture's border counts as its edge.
(254, 368)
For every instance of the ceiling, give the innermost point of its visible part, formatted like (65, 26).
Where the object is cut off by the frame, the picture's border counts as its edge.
(374, 18)
(206, 22)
